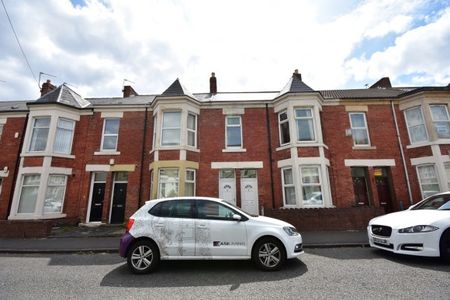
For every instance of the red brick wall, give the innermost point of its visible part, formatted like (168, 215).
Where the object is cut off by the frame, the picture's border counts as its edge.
(33, 161)
(445, 149)
(10, 147)
(308, 152)
(169, 155)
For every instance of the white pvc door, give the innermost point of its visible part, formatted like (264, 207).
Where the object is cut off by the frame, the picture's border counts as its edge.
(249, 191)
(227, 186)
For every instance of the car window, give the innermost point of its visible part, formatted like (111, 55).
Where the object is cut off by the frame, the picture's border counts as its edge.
(214, 210)
(439, 202)
(173, 209)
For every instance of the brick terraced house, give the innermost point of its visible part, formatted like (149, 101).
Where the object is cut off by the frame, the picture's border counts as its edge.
(320, 159)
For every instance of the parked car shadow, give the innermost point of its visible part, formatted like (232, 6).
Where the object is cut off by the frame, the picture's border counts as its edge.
(202, 273)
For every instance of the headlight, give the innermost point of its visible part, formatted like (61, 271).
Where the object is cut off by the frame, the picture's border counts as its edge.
(418, 228)
(290, 230)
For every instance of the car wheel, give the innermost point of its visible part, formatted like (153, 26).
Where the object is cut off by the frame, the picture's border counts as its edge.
(269, 254)
(143, 257)
(444, 246)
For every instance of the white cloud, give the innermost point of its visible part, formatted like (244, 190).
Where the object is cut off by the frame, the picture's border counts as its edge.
(251, 45)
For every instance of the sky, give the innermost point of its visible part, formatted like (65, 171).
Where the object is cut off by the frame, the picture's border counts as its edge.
(93, 45)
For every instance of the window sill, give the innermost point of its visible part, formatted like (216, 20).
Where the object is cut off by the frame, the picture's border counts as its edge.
(107, 153)
(234, 150)
(32, 216)
(63, 155)
(303, 144)
(47, 154)
(364, 147)
(168, 148)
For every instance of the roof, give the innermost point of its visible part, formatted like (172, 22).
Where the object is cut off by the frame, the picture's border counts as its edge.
(236, 96)
(12, 106)
(176, 89)
(296, 85)
(135, 100)
(64, 95)
(361, 93)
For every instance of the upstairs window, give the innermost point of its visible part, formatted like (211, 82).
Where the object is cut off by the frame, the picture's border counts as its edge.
(64, 136)
(171, 129)
(360, 133)
(233, 132)
(305, 124)
(416, 127)
(441, 120)
(285, 137)
(39, 134)
(110, 134)
(192, 130)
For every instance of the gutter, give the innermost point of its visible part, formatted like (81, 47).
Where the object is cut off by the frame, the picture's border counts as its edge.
(142, 157)
(269, 138)
(402, 154)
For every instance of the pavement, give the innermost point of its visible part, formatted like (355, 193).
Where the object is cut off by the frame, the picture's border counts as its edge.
(105, 238)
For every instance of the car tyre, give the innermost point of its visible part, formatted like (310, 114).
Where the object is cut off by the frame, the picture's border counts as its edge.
(143, 257)
(444, 246)
(268, 254)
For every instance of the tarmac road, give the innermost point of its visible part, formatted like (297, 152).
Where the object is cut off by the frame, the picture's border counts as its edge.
(329, 273)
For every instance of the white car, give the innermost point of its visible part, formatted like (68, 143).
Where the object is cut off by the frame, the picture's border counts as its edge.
(423, 229)
(198, 228)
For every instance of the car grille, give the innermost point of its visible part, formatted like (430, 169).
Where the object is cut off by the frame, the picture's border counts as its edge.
(389, 246)
(381, 230)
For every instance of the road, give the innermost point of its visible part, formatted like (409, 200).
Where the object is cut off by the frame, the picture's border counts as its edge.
(336, 273)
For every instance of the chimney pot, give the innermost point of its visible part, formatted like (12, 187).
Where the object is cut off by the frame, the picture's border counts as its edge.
(213, 84)
(47, 87)
(296, 71)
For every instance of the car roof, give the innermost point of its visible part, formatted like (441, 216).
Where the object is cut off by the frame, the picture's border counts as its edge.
(154, 201)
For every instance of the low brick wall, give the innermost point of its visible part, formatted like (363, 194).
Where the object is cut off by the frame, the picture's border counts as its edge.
(25, 229)
(324, 219)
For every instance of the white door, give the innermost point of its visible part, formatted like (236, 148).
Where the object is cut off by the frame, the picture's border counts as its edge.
(216, 233)
(227, 185)
(249, 191)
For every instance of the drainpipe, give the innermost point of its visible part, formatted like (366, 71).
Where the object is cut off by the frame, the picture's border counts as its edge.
(142, 158)
(269, 138)
(16, 168)
(400, 145)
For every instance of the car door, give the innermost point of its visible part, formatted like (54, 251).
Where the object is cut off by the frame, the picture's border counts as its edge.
(217, 233)
(173, 227)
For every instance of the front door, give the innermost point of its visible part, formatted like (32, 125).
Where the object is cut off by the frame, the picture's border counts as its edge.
(249, 191)
(227, 185)
(359, 178)
(119, 198)
(97, 196)
(383, 189)
(216, 233)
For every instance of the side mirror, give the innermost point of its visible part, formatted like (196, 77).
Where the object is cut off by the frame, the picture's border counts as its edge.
(237, 217)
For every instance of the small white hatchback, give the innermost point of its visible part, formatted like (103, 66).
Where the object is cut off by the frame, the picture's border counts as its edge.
(199, 228)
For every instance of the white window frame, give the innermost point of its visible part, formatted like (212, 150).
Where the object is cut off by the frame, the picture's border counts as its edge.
(110, 134)
(171, 128)
(21, 192)
(233, 125)
(366, 128)
(177, 181)
(64, 193)
(439, 121)
(190, 130)
(311, 109)
(320, 184)
(280, 122)
(288, 185)
(33, 127)
(423, 124)
(420, 179)
(72, 130)
(447, 171)
(155, 122)
(1, 130)
(186, 181)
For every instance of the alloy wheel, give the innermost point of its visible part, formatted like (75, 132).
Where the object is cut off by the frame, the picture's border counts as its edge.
(142, 257)
(269, 255)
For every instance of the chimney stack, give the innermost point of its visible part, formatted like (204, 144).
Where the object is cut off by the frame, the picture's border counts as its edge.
(297, 74)
(213, 84)
(47, 87)
(128, 91)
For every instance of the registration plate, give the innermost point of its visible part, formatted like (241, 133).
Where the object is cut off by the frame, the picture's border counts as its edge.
(380, 241)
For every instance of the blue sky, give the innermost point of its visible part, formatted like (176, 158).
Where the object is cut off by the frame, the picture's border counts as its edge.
(250, 45)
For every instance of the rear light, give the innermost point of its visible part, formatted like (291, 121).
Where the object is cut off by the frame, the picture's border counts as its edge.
(129, 225)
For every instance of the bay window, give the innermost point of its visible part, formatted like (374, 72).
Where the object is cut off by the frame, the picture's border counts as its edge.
(428, 180)
(110, 134)
(416, 126)
(311, 185)
(54, 196)
(64, 136)
(189, 184)
(192, 130)
(441, 121)
(171, 127)
(360, 134)
(288, 187)
(29, 193)
(39, 135)
(305, 124)
(168, 183)
(283, 122)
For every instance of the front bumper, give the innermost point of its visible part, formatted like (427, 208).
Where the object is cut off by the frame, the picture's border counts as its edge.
(420, 244)
(294, 246)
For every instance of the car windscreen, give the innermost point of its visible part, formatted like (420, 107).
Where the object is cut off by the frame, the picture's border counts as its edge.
(441, 202)
(239, 209)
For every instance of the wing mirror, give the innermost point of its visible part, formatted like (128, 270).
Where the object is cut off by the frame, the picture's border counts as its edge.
(237, 217)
